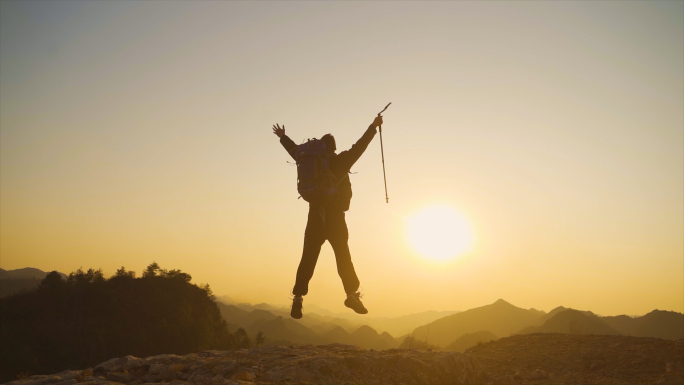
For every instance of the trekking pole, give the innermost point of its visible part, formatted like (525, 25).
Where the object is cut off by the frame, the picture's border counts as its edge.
(382, 153)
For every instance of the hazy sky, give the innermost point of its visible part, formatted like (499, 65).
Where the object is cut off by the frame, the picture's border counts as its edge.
(134, 132)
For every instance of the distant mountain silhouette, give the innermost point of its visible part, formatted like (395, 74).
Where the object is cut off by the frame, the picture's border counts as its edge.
(658, 323)
(312, 320)
(234, 315)
(404, 324)
(285, 331)
(279, 328)
(471, 339)
(572, 321)
(21, 280)
(337, 334)
(540, 321)
(500, 318)
(366, 337)
(623, 324)
(320, 319)
(226, 299)
(275, 328)
(25, 273)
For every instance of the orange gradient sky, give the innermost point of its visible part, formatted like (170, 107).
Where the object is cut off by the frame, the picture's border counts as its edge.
(133, 132)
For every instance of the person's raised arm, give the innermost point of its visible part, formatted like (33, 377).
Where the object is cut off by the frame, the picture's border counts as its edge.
(349, 157)
(289, 145)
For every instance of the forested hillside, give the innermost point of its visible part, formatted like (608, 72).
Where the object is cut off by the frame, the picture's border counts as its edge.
(87, 318)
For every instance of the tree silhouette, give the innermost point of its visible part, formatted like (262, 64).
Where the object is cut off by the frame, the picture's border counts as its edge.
(242, 339)
(259, 339)
(86, 319)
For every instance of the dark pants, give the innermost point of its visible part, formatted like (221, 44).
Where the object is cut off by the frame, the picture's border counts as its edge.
(326, 224)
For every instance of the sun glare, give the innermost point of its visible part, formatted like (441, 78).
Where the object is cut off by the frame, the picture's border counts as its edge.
(439, 232)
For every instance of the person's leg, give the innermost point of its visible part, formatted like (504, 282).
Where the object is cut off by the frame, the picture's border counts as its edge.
(314, 236)
(338, 235)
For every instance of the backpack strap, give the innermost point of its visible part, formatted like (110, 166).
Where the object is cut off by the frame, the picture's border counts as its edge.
(340, 179)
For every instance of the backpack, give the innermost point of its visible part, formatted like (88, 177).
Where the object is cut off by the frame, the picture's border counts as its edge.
(315, 182)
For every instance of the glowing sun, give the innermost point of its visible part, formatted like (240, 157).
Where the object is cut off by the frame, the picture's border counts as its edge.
(439, 232)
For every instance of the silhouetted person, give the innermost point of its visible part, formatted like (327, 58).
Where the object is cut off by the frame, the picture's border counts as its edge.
(326, 221)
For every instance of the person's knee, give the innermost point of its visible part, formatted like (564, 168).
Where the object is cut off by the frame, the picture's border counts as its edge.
(339, 241)
(313, 244)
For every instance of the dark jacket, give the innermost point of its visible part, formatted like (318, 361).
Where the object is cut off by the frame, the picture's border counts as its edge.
(340, 164)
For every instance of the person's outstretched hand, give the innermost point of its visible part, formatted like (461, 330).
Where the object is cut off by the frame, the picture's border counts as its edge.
(377, 122)
(279, 131)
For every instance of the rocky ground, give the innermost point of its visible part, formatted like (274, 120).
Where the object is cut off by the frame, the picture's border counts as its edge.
(582, 359)
(528, 359)
(323, 364)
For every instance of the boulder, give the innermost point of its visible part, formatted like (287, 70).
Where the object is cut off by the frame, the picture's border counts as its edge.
(242, 376)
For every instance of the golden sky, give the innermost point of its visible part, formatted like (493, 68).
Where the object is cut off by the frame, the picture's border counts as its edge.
(133, 132)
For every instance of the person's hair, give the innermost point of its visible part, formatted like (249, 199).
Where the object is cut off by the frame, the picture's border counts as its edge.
(329, 141)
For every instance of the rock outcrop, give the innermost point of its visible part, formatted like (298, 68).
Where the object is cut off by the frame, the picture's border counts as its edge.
(532, 359)
(324, 364)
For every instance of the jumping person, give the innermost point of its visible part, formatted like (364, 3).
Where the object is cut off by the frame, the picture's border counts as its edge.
(326, 221)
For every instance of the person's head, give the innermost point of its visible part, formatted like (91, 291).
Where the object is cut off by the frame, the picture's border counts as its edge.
(329, 141)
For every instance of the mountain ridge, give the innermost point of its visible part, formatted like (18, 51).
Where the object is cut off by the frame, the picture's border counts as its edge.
(571, 321)
(500, 318)
(21, 280)
(27, 273)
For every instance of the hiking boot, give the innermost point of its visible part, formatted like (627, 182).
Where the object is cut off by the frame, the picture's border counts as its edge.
(296, 311)
(353, 302)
